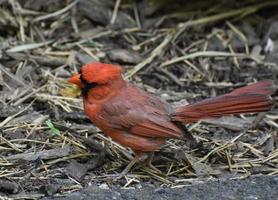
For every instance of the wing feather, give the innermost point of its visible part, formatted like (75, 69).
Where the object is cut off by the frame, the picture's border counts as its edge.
(145, 116)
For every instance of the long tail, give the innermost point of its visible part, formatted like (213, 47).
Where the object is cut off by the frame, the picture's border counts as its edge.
(249, 99)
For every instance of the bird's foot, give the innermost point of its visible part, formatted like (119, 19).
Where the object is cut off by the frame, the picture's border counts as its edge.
(148, 162)
(127, 169)
(151, 166)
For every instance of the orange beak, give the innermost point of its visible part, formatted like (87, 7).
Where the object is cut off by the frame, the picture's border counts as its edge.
(75, 79)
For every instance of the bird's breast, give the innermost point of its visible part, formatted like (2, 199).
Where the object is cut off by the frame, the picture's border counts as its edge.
(91, 110)
(94, 112)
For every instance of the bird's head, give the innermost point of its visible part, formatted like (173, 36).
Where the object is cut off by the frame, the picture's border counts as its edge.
(96, 74)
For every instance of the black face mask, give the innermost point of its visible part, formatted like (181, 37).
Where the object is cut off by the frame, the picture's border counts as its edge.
(87, 86)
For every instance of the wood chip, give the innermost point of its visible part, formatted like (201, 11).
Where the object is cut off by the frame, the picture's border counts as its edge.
(44, 155)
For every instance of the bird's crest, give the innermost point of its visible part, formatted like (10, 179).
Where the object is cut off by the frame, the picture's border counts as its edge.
(100, 73)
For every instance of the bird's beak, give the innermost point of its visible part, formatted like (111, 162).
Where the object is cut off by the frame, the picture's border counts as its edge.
(75, 79)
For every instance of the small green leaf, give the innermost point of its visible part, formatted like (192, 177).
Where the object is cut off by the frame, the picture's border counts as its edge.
(50, 125)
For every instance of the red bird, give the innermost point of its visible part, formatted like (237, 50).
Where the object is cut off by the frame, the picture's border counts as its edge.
(134, 118)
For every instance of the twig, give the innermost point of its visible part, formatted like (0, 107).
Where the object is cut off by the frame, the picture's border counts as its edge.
(21, 100)
(240, 35)
(243, 12)
(2, 68)
(136, 15)
(26, 47)
(157, 51)
(171, 76)
(46, 154)
(54, 14)
(203, 54)
(115, 11)
(14, 147)
(3, 123)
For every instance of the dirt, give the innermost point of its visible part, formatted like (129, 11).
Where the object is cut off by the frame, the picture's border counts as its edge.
(251, 188)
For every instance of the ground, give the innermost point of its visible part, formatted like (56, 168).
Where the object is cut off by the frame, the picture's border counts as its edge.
(181, 52)
(261, 187)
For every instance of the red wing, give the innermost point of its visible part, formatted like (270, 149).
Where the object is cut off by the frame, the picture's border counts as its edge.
(140, 118)
(152, 129)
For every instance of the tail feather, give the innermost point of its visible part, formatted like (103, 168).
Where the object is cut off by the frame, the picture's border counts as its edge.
(250, 99)
(262, 87)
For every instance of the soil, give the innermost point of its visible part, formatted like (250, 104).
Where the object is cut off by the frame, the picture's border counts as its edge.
(257, 187)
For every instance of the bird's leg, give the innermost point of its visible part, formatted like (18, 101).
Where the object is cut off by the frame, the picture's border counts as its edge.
(149, 160)
(130, 165)
(139, 157)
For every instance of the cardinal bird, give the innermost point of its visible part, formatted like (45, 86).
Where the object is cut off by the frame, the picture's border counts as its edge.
(136, 119)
